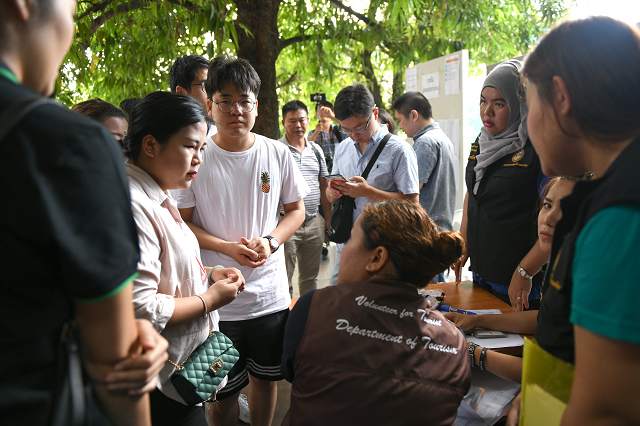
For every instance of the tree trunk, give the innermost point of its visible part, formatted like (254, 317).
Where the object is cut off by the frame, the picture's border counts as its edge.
(372, 82)
(261, 49)
(398, 83)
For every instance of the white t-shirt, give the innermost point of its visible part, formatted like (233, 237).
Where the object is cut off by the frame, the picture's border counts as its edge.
(230, 203)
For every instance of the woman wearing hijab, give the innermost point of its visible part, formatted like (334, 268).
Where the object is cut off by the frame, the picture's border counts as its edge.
(503, 173)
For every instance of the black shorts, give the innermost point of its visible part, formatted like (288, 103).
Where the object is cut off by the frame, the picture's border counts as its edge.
(259, 341)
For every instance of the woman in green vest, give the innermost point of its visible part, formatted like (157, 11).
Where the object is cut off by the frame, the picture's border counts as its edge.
(583, 92)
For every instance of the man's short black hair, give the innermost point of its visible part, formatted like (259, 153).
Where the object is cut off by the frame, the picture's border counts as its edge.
(184, 70)
(239, 72)
(410, 101)
(293, 106)
(354, 100)
(324, 103)
(127, 105)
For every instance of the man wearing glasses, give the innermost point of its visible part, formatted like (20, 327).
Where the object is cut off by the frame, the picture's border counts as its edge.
(232, 207)
(395, 173)
(187, 77)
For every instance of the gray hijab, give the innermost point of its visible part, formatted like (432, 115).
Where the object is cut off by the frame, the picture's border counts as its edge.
(505, 78)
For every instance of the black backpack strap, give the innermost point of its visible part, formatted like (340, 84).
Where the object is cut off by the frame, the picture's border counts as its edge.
(376, 154)
(315, 151)
(340, 135)
(12, 115)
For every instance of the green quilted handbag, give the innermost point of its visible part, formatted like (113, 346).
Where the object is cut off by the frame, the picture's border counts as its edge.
(199, 375)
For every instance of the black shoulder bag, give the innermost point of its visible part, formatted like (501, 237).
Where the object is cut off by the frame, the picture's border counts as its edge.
(341, 219)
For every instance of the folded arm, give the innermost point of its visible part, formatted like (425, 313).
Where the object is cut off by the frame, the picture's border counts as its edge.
(109, 335)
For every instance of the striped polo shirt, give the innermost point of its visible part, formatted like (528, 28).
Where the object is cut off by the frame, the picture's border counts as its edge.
(307, 162)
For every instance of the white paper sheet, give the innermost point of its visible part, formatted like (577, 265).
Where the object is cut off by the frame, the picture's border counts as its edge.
(451, 128)
(411, 79)
(431, 85)
(452, 74)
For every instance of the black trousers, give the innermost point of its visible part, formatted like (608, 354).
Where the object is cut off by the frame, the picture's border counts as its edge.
(167, 412)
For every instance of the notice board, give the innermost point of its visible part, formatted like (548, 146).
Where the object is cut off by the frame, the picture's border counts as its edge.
(443, 81)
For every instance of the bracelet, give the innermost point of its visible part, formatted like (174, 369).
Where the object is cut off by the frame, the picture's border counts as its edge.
(205, 305)
(210, 271)
(483, 355)
(472, 349)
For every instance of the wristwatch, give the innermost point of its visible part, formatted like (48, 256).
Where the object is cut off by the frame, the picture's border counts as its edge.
(523, 273)
(273, 243)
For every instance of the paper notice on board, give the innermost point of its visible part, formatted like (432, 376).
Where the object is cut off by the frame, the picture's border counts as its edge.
(452, 75)
(431, 85)
(411, 79)
(451, 128)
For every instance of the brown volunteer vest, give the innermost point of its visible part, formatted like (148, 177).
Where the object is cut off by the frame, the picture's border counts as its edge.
(372, 353)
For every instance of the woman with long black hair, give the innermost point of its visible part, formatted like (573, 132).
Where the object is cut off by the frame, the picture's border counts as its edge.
(583, 93)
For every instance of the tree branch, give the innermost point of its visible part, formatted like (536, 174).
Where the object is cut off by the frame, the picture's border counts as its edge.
(289, 81)
(128, 7)
(191, 7)
(96, 7)
(350, 11)
(297, 39)
(106, 16)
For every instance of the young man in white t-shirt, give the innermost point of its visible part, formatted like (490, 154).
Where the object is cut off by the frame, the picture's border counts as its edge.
(233, 208)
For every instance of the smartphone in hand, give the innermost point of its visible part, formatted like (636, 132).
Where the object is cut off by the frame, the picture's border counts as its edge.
(481, 333)
(331, 178)
(337, 178)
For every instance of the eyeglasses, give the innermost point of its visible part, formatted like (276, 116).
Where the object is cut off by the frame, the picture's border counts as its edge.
(201, 84)
(245, 105)
(358, 131)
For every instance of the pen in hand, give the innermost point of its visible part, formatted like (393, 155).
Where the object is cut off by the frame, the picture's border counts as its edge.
(445, 308)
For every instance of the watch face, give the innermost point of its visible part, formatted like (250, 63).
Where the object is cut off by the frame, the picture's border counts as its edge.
(273, 243)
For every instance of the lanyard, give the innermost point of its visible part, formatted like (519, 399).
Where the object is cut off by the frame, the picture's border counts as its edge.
(9, 75)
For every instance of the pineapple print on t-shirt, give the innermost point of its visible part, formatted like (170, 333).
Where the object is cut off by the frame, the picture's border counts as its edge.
(264, 178)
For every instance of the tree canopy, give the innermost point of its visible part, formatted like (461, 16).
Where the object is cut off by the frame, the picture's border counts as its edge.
(125, 48)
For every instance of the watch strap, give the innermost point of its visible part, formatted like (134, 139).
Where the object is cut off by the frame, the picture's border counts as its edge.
(271, 239)
(523, 273)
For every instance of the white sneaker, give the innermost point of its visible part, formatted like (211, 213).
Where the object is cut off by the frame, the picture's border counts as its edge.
(243, 403)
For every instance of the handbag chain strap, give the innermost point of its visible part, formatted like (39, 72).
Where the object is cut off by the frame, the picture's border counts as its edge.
(179, 367)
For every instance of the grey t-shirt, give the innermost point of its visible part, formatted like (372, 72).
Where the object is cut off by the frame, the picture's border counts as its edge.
(436, 170)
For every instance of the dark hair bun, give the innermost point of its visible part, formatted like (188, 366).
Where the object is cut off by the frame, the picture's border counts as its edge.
(418, 251)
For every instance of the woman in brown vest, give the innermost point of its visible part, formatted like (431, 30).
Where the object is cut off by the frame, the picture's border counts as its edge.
(371, 350)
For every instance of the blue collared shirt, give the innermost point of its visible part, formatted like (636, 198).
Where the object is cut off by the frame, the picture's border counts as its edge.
(395, 170)
(436, 167)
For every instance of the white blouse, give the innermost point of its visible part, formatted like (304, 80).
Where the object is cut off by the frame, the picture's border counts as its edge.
(169, 267)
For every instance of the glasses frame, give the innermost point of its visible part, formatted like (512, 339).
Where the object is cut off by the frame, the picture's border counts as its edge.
(234, 107)
(357, 131)
(201, 84)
